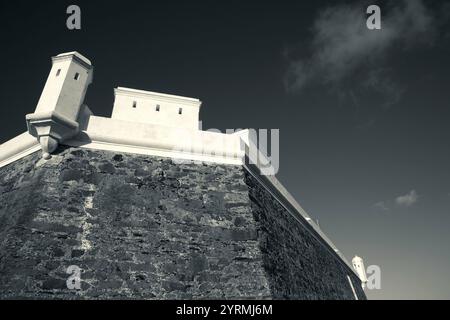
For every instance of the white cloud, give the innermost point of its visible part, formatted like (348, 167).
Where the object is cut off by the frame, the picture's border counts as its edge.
(341, 41)
(344, 54)
(381, 206)
(407, 200)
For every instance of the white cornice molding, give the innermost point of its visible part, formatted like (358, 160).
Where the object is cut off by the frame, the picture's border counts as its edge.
(75, 56)
(154, 151)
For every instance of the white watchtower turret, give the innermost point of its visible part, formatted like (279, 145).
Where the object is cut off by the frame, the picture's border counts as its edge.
(358, 265)
(54, 119)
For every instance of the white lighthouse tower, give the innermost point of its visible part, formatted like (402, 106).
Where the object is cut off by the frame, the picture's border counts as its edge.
(358, 265)
(55, 117)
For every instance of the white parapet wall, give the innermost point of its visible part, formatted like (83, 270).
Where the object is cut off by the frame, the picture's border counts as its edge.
(17, 148)
(144, 138)
(156, 108)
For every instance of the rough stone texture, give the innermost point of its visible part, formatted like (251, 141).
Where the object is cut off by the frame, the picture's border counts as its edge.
(144, 227)
(297, 264)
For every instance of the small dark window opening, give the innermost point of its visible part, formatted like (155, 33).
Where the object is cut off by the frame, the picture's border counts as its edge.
(58, 72)
(134, 104)
(77, 76)
(180, 111)
(158, 108)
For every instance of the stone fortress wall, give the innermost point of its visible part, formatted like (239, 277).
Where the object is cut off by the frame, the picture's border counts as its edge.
(143, 227)
(111, 197)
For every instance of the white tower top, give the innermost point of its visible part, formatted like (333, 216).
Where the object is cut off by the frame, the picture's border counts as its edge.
(66, 85)
(358, 265)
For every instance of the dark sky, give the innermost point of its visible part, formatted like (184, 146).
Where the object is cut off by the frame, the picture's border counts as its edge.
(363, 115)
